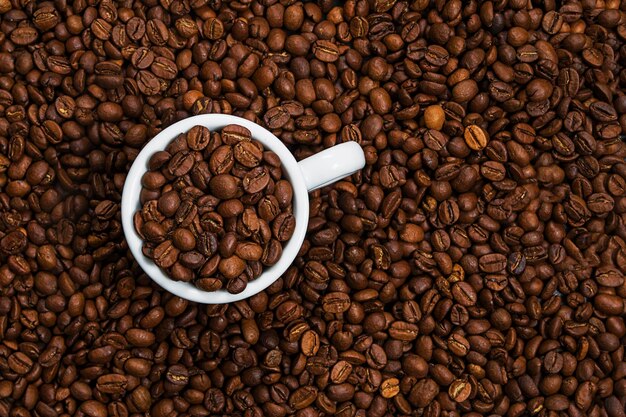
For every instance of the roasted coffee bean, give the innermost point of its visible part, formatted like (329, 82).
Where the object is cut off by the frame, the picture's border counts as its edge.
(248, 154)
(224, 186)
(303, 397)
(256, 180)
(198, 138)
(464, 294)
(222, 160)
(336, 302)
(271, 252)
(213, 28)
(233, 134)
(276, 117)
(19, 363)
(112, 384)
(165, 254)
(460, 390)
(268, 208)
(475, 137)
(424, 392)
(283, 226)
(249, 251)
(180, 164)
(492, 263)
(142, 58)
(326, 51)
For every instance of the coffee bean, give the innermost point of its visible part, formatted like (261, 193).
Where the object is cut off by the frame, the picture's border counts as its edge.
(184, 239)
(459, 390)
(248, 154)
(602, 111)
(93, 408)
(157, 32)
(224, 186)
(177, 375)
(222, 160)
(475, 137)
(19, 363)
(165, 254)
(340, 372)
(233, 134)
(492, 263)
(435, 140)
(153, 231)
(276, 117)
(458, 345)
(139, 337)
(231, 267)
(283, 193)
(256, 180)
(164, 68)
(180, 164)
(148, 83)
(448, 212)
(403, 331)
(434, 117)
(303, 397)
(493, 171)
(112, 384)
(336, 303)
(249, 251)
(310, 343)
(464, 294)
(198, 138)
(213, 28)
(271, 253)
(283, 226)
(230, 208)
(465, 90)
(424, 392)
(268, 208)
(209, 284)
(325, 51)
(390, 388)
(142, 58)
(169, 203)
(610, 304)
(24, 36)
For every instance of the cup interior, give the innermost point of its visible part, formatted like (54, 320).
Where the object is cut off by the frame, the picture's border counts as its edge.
(130, 204)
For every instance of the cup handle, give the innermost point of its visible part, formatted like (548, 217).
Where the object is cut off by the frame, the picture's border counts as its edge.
(332, 164)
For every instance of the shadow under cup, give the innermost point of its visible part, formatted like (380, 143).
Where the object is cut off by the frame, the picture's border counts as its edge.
(131, 203)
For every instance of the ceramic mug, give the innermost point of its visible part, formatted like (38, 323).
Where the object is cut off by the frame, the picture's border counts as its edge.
(314, 172)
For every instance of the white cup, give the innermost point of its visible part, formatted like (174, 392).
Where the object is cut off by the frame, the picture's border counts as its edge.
(314, 172)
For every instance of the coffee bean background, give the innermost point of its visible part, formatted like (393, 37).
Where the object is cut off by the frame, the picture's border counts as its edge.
(475, 267)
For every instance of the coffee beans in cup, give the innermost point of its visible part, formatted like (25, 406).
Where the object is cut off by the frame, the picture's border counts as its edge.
(215, 208)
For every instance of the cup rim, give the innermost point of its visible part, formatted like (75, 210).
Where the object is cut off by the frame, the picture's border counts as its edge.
(130, 204)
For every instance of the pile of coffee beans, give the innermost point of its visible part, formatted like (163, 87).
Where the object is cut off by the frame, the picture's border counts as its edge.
(215, 208)
(474, 267)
